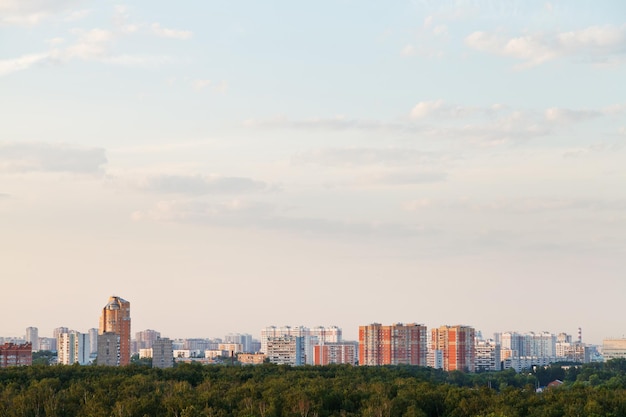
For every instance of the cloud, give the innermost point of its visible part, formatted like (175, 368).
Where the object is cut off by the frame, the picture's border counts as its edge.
(366, 156)
(559, 115)
(337, 123)
(199, 184)
(406, 178)
(48, 157)
(479, 125)
(32, 12)
(170, 33)
(595, 44)
(8, 66)
(516, 205)
(257, 215)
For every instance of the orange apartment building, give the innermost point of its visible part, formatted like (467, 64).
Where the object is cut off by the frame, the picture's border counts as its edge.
(457, 345)
(392, 345)
(115, 318)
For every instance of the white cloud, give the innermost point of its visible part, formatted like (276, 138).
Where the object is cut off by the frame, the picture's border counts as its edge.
(408, 50)
(440, 30)
(425, 108)
(559, 115)
(595, 43)
(77, 15)
(7, 66)
(258, 215)
(32, 12)
(49, 157)
(349, 157)
(92, 44)
(201, 84)
(200, 184)
(170, 33)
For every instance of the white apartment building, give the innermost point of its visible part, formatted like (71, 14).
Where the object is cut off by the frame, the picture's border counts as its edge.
(286, 350)
(487, 356)
(73, 347)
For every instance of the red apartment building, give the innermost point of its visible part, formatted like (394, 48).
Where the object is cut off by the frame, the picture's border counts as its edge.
(392, 345)
(16, 355)
(457, 345)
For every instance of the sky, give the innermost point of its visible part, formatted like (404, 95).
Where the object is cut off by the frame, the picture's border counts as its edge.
(230, 165)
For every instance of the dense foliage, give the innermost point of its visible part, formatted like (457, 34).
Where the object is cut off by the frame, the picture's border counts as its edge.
(279, 391)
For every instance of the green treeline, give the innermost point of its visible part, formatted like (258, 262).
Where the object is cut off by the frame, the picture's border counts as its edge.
(279, 391)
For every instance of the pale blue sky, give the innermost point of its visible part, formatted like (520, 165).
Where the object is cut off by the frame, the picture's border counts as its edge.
(341, 162)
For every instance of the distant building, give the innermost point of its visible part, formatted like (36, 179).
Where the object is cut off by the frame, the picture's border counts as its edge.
(457, 345)
(162, 353)
(48, 343)
(109, 349)
(73, 347)
(613, 349)
(307, 340)
(231, 348)
(286, 350)
(434, 359)
(115, 318)
(93, 342)
(487, 356)
(397, 344)
(32, 337)
(12, 354)
(245, 340)
(251, 358)
(335, 353)
(146, 338)
(56, 332)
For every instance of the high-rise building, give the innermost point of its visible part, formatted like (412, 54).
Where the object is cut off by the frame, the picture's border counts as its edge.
(457, 345)
(393, 345)
(335, 353)
(487, 356)
(298, 331)
(286, 350)
(146, 338)
(108, 349)
(73, 347)
(93, 342)
(115, 318)
(245, 340)
(162, 353)
(56, 332)
(12, 354)
(32, 337)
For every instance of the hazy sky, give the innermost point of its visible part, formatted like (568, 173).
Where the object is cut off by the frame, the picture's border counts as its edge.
(229, 165)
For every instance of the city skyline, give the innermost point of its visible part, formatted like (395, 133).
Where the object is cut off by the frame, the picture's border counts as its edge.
(228, 166)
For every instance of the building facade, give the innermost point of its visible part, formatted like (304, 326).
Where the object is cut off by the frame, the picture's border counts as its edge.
(12, 354)
(335, 353)
(108, 349)
(286, 350)
(487, 356)
(162, 353)
(393, 345)
(457, 345)
(73, 347)
(115, 318)
(32, 337)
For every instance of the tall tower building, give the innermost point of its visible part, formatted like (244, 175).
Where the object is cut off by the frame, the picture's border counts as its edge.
(32, 337)
(73, 347)
(457, 345)
(115, 318)
(392, 345)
